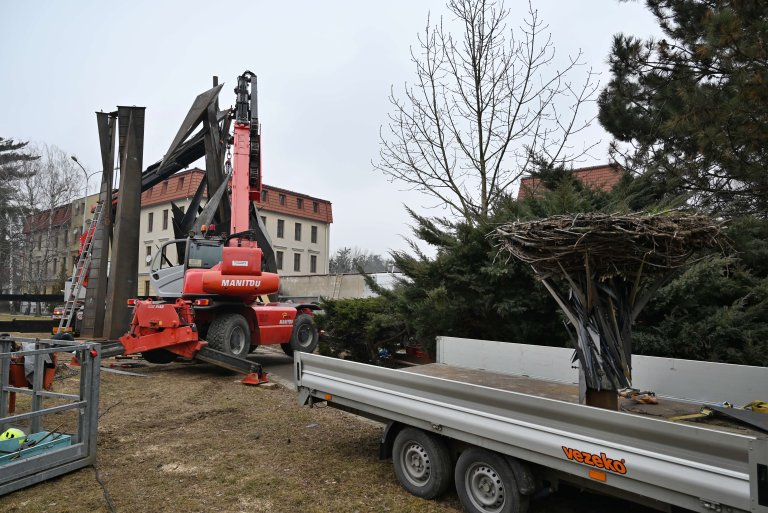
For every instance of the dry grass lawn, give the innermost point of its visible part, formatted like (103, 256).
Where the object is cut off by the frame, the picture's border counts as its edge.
(190, 438)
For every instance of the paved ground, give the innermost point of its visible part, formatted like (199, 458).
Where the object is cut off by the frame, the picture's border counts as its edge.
(278, 365)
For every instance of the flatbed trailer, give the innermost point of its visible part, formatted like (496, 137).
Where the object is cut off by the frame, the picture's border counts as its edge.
(502, 439)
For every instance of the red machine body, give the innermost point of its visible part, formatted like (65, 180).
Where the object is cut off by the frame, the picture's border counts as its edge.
(220, 303)
(162, 325)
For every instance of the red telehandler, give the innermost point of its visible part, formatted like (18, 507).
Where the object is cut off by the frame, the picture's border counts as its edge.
(209, 306)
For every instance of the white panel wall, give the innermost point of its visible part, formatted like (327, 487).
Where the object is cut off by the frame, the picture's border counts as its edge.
(703, 382)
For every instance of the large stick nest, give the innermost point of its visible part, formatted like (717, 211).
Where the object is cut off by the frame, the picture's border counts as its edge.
(609, 245)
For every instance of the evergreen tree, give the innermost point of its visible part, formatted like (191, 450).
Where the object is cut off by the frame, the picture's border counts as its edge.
(466, 291)
(12, 158)
(692, 108)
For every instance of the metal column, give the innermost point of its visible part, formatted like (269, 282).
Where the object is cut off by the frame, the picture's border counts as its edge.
(124, 269)
(96, 290)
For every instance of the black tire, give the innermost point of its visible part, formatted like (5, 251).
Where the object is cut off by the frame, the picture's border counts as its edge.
(422, 463)
(486, 483)
(230, 334)
(159, 356)
(287, 349)
(305, 336)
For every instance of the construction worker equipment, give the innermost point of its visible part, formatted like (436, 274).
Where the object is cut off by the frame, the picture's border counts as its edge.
(13, 433)
(208, 285)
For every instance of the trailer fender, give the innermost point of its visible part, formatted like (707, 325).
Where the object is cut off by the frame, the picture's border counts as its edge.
(526, 483)
(388, 439)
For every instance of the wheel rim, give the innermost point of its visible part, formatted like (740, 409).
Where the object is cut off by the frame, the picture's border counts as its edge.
(484, 488)
(237, 340)
(415, 464)
(305, 336)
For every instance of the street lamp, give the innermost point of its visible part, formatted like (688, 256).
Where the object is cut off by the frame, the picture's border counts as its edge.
(87, 177)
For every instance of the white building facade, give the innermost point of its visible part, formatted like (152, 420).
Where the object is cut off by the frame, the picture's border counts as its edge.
(298, 224)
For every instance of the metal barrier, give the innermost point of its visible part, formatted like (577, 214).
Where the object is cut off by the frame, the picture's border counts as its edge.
(47, 454)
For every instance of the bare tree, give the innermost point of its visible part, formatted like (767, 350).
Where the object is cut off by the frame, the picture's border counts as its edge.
(44, 196)
(351, 260)
(487, 106)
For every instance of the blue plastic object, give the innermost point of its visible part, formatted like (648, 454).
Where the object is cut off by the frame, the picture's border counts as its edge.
(36, 443)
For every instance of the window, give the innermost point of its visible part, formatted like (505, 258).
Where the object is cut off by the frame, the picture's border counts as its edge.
(313, 235)
(300, 203)
(280, 228)
(264, 220)
(313, 263)
(150, 221)
(297, 231)
(202, 254)
(165, 187)
(55, 265)
(264, 195)
(279, 257)
(315, 207)
(281, 199)
(165, 219)
(180, 184)
(66, 237)
(146, 288)
(297, 261)
(149, 253)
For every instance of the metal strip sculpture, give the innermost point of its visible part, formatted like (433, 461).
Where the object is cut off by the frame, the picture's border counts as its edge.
(612, 265)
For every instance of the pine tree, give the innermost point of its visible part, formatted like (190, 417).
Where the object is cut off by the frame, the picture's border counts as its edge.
(12, 157)
(693, 106)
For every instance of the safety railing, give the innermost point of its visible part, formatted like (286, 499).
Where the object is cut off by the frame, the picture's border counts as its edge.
(71, 419)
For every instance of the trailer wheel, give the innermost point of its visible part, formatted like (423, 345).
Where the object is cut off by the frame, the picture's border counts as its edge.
(422, 463)
(159, 356)
(229, 333)
(305, 336)
(486, 483)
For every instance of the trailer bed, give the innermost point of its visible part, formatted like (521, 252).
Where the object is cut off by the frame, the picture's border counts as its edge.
(683, 464)
(666, 409)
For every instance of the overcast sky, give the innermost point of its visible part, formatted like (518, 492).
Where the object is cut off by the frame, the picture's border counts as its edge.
(324, 68)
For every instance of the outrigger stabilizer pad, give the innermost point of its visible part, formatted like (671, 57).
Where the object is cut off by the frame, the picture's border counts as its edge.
(255, 378)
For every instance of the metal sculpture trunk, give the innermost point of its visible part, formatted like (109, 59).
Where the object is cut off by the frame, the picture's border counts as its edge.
(610, 265)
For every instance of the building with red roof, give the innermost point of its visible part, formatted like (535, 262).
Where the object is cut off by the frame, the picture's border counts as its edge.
(603, 177)
(298, 224)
